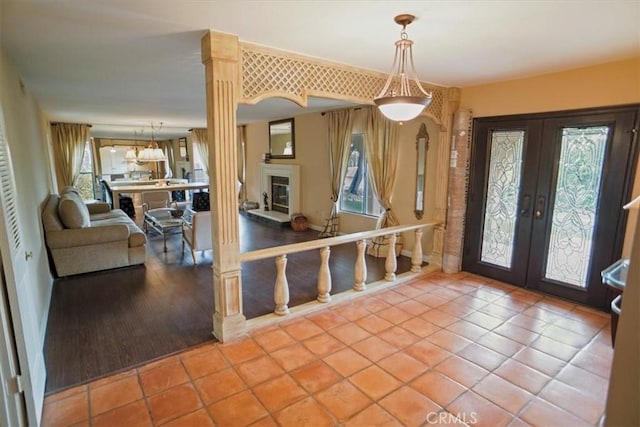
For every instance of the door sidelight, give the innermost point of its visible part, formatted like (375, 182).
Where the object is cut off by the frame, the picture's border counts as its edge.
(540, 205)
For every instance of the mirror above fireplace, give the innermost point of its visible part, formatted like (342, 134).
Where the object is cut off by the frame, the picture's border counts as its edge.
(282, 143)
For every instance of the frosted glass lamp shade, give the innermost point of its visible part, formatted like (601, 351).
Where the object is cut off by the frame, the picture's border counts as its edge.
(402, 108)
(151, 155)
(131, 156)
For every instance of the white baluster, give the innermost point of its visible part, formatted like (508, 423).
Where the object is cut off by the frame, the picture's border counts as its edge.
(281, 291)
(390, 264)
(324, 276)
(360, 273)
(416, 255)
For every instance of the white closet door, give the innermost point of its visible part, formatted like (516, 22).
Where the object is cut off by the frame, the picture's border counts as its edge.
(15, 259)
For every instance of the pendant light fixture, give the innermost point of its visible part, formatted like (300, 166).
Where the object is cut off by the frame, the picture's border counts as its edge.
(395, 100)
(132, 153)
(152, 153)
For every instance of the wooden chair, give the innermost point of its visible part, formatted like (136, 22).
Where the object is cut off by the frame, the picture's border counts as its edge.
(197, 232)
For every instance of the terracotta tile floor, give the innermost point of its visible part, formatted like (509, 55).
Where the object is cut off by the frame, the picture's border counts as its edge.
(420, 353)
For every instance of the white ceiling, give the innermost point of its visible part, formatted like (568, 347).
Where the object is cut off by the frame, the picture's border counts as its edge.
(122, 64)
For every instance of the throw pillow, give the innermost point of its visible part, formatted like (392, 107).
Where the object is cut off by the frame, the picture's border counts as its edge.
(75, 195)
(73, 212)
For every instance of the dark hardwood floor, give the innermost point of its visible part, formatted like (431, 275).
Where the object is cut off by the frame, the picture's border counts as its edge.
(105, 322)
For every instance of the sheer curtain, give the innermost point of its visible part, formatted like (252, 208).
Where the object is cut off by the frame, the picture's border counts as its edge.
(68, 148)
(381, 141)
(201, 143)
(170, 163)
(340, 125)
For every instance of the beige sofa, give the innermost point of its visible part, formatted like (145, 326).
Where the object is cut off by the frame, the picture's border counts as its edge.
(89, 237)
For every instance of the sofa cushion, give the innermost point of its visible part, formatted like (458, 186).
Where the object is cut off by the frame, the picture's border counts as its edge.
(136, 236)
(73, 212)
(112, 213)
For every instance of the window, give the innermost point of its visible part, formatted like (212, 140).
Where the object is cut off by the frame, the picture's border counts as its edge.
(199, 174)
(84, 181)
(357, 195)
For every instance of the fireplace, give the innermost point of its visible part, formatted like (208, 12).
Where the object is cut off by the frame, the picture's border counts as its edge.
(281, 183)
(280, 194)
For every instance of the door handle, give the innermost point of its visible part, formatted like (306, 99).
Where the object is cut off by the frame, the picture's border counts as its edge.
(540, 205)
(526, 205)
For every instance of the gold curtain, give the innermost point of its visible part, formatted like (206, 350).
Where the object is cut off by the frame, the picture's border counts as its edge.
(201, 143)
(340, 125)
(241, 142)
(68, 149)
(97, 159)
(381, 141)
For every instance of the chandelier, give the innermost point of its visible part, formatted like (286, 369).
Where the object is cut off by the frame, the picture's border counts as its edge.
(132, 153)
(152, 153)
(395, 100)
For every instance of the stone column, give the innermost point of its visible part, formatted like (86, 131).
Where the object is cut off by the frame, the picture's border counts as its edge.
(458, 185)
(451, 102)
(221, 58)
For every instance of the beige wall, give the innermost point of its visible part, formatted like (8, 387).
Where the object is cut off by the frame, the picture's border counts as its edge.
(256, 144)
(312, 155)
(27, 134)
(615, 83)
(404, 191)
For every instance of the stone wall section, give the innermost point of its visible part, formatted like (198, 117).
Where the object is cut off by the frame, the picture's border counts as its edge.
(458, 188)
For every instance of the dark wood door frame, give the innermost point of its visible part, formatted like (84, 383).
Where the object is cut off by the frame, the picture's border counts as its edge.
(623, 152)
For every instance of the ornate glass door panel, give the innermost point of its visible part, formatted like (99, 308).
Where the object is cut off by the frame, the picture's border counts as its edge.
(577, 195)
(591, 160)
(545, 199)
(499, 207)
(503, 192)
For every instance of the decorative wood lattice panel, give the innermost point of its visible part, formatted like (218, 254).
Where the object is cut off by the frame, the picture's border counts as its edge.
(266, 71)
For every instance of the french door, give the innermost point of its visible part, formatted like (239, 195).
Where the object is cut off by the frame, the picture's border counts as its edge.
(545, 199)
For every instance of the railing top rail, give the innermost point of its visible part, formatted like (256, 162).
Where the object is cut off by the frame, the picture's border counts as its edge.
(329, 241)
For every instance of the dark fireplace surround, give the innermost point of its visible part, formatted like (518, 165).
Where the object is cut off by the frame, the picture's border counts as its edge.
(280, 194)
